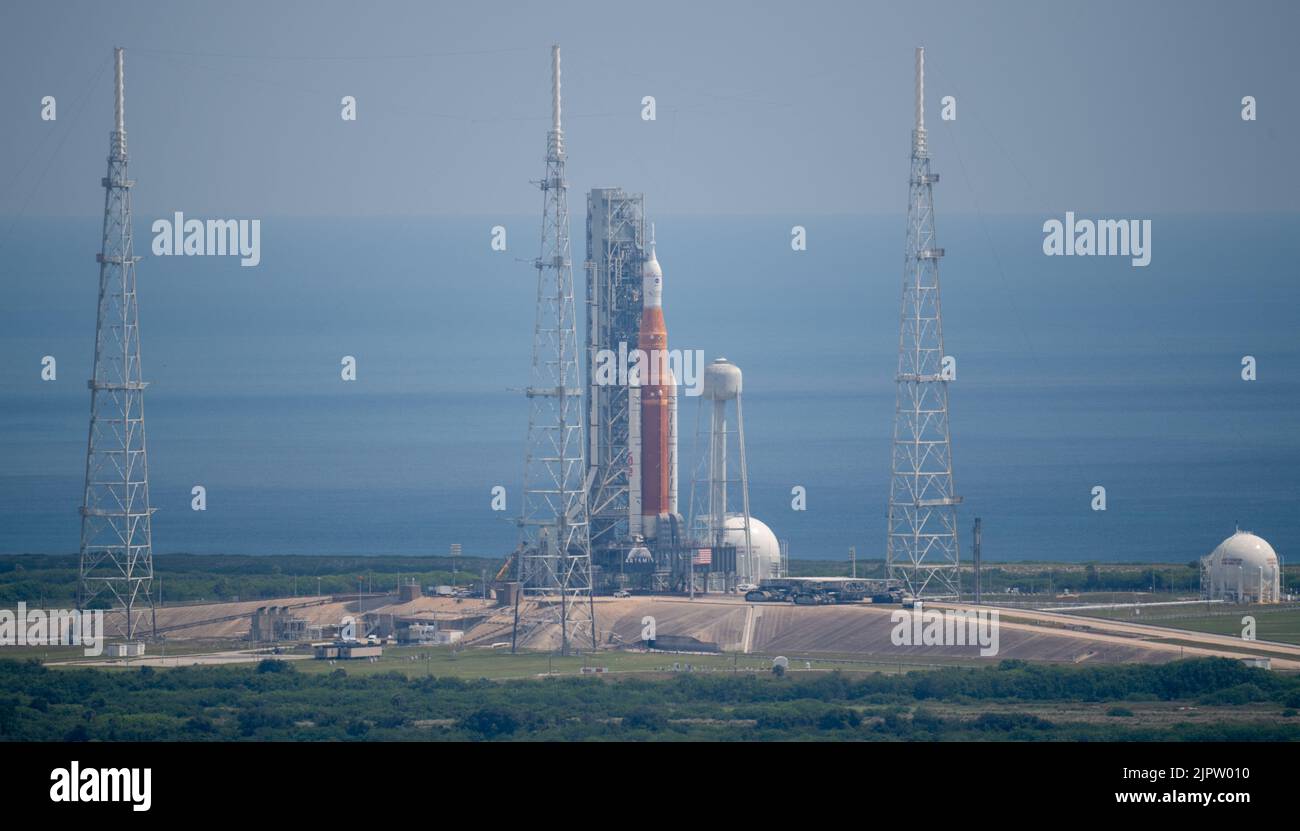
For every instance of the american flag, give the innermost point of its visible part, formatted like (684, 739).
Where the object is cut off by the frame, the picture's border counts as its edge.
(703, 557)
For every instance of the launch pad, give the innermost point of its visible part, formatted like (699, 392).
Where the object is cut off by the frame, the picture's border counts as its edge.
(641, 538)
(667, 567)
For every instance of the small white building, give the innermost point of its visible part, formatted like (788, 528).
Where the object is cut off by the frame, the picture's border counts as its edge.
(1243, 569)
(126, 649)
(428, 633)
(346, 650)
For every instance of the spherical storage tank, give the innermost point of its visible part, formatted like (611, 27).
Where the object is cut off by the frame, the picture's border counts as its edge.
(766, 550)
(1244, 568)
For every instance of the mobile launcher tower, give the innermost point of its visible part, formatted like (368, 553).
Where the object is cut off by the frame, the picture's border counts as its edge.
(637, 533)
(638, 537)
(615, 260)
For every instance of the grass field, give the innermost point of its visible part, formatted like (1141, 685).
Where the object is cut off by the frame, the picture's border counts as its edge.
(1280, 623)
(500, 664)
(78, 654)
(494, 664)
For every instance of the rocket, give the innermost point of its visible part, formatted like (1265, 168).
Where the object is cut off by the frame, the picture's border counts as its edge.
(652, 405)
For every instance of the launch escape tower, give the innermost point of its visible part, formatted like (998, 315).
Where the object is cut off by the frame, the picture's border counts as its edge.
(116, 546)
(922, 549)
(615, 254)
(554, 564)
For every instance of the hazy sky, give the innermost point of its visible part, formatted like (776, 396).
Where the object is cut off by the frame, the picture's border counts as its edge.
(790, 109)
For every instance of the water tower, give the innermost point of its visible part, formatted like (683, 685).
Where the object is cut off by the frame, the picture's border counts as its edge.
(714, 520)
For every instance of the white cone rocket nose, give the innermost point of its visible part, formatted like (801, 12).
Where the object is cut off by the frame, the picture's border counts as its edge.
(652, 278)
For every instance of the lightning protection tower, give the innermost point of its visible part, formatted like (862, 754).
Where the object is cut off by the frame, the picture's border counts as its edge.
(922, 549)
(116, 544)
(554, 566)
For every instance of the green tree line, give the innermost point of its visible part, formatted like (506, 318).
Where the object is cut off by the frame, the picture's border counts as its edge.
(274, 701)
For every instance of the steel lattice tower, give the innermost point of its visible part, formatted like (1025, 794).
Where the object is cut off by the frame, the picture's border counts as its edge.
(922, 549)
(554, 565)
(116, 545)
(615, 254)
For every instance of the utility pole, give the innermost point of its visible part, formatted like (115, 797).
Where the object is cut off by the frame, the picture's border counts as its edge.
(691, 571)
(975, 551)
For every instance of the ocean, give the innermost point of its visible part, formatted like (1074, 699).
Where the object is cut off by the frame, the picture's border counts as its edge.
(1072, 373)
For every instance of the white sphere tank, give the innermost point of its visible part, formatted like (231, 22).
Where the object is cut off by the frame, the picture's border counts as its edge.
(1246, 563)
(764, 545)
(722, 380)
